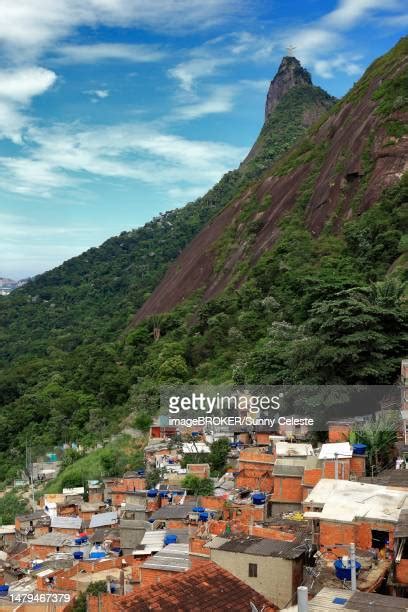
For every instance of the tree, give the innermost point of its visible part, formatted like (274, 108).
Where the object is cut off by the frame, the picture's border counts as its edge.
(153, 477)
(95, 588)
(198, 486)
(379, 436)
(143, 421)
(219, 452)
(10, 507)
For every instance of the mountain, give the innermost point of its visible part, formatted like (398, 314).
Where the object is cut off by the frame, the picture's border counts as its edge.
(292, 269)
(335, 174)
(93, 296)
(290, 74)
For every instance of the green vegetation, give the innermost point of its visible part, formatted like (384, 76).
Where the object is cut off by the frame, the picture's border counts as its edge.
(216, 459)
(112, 460)
(64, 376)
(10, 506)
(380, 437)
(197, 486)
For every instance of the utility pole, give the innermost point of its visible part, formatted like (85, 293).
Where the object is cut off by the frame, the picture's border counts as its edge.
(353, 567)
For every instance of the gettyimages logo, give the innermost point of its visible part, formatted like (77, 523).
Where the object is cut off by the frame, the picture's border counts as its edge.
(208, 404)
(230, 408)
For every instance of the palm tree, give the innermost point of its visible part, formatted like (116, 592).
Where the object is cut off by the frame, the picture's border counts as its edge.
(380, 436)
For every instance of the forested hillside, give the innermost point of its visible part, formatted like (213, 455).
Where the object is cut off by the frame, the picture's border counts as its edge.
(304, 280)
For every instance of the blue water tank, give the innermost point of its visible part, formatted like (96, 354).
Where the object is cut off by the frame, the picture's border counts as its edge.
(344, 573)
(203, 516)
(163, 494)
(4, 589)
(78, 554)
(170, 539)
(198, 509)
(258, 499)
(140, 472)
(97, 554)
(359, 449)
(152, 493)
(78, 541)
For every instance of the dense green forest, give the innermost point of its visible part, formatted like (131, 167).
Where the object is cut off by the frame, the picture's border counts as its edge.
(326, 309)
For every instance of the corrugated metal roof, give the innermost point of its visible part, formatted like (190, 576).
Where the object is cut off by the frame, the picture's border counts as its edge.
(103, 519)
(66, 522)
(173, 558)
(264, 547)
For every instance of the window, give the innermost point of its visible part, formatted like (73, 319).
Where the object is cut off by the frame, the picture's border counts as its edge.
(253, 570)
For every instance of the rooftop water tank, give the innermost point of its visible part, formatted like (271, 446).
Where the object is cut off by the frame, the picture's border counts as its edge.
(203, 516)
(359, 449)
(344, 572)
(170, 539)
(163, 493)
(198, 509)
(78, 554)
(4, 589)
(152, 493)
(258, 499)
(97, 554)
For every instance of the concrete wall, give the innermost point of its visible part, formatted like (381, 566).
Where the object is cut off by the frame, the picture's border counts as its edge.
(277, 578)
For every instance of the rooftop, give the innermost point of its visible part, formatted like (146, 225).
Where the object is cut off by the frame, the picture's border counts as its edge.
(173, 558)
(152, 541)
(52, 539)
(66, 522)
(292, 449)
(207, 587)
(344, 500)
(74, 491)
(178, 511)
(335, 450)
(262, 547)
(337, 599)
(103, 519)
(285, 467)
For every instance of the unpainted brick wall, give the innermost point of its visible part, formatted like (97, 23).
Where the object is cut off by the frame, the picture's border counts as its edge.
(287, 489)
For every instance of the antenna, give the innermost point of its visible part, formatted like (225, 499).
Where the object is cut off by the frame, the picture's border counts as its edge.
(290, 49)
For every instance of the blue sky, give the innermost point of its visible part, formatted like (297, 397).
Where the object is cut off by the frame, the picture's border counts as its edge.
(114, 110)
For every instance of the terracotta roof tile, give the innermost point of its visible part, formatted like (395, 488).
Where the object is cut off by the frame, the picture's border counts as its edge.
(207, 588)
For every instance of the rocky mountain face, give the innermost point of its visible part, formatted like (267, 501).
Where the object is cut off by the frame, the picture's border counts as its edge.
(335, 174)
(98, 291)
(290, 74)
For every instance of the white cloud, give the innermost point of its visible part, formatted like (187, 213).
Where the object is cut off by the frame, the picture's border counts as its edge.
(322, 45)
(97, 94)
(17, 88)
(29, 27)
(88, 54)
(219, 100)
(65, 156)
(349, 13)
(326, 68)
(197, 68)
